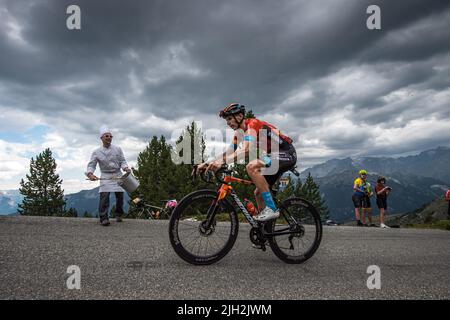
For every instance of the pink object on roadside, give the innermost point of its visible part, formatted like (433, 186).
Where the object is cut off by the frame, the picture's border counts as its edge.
(447, 195)
(172, 203)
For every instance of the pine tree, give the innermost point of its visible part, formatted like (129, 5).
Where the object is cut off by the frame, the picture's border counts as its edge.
(249, 115)
(147, 171)
(310, 191)
(195, 136)
(43, 195)
(288, 191)
(183, 172)
(160, 178)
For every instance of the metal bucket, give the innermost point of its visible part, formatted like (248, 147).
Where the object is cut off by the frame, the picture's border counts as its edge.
(128, 182)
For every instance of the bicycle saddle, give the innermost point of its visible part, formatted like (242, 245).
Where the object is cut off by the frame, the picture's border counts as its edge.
(294, 171)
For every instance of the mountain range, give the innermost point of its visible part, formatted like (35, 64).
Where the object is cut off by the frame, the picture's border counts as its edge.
(9, 201)
(85, 200)
(415, 180)
(434, 211)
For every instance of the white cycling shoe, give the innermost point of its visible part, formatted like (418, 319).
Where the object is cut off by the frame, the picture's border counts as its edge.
(382, 225)
(267, 214)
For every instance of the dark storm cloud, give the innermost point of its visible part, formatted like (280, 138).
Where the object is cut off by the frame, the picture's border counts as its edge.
(176, 59)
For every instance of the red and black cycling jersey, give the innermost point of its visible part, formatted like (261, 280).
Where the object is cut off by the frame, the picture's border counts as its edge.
(255, 128)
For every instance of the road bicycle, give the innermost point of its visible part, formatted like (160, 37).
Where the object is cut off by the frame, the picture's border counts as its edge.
(204, 226)
(140, 209)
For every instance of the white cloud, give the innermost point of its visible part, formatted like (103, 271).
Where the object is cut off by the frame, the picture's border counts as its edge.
(13, 29)
(13, 119)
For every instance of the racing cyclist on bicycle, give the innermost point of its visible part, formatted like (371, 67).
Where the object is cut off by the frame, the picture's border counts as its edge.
(286, 156)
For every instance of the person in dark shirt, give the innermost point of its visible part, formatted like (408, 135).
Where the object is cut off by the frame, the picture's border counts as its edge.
(447, 198)
(382, 192)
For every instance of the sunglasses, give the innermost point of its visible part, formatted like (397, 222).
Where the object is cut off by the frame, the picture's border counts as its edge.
(107, 136)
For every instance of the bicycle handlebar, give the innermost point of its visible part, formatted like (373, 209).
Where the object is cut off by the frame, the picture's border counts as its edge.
(223, 171)
(209, 175)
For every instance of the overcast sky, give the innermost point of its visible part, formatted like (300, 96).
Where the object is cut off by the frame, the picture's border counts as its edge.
(145, 68)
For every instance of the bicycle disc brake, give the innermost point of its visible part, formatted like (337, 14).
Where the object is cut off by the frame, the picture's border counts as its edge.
(204, 231)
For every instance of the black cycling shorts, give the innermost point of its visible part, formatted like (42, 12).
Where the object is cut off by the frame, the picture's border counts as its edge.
(287, 158)
(382, 203)
(357, 200)
(366, 202)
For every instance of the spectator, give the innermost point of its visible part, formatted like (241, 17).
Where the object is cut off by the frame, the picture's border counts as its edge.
(382, 193)
(447, 198)
(358, 195)
(111, 160)
(367, 206)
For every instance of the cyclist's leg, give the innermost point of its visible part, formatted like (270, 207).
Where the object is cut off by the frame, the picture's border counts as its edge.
(286, 159)
(259, 199)
(254, 171)
(358, 206)
(363, 210)
(369, 211)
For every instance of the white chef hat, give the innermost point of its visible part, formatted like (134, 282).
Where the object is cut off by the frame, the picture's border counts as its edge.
(104, 129)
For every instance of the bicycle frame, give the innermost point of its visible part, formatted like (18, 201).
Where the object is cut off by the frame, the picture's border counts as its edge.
(148, 207)
(227, 190)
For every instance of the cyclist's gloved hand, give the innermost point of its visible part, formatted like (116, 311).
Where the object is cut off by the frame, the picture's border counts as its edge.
(199, 168)
(214, 166)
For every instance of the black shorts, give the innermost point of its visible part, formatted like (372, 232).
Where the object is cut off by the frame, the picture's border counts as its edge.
(448, 211)
(382, 203)
(366, 202)
(357, 201)
(287, 158)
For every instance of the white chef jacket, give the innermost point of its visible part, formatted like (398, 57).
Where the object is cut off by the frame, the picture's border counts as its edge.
(110, 161)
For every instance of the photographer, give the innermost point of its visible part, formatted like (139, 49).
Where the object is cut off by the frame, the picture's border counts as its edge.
(382, 192)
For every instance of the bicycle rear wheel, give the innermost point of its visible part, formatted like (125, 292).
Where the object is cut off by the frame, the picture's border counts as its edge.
(301, 219)
(189, 234)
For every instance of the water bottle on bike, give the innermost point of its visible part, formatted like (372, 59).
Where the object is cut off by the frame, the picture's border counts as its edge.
(250, 207)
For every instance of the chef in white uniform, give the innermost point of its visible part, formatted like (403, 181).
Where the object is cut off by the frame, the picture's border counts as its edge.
(111, 160)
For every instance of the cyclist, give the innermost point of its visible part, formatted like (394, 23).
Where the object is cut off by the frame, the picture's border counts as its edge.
(286, 156)
(359, 195)
(367, 206)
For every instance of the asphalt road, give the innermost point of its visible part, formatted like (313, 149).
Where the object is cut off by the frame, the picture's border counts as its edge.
(134, 260)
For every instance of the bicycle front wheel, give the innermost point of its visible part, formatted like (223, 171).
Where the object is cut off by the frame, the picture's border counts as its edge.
(136, 213)
(299, 230)
(201, 230)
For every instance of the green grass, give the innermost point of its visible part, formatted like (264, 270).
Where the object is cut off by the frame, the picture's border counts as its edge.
(440, 224)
